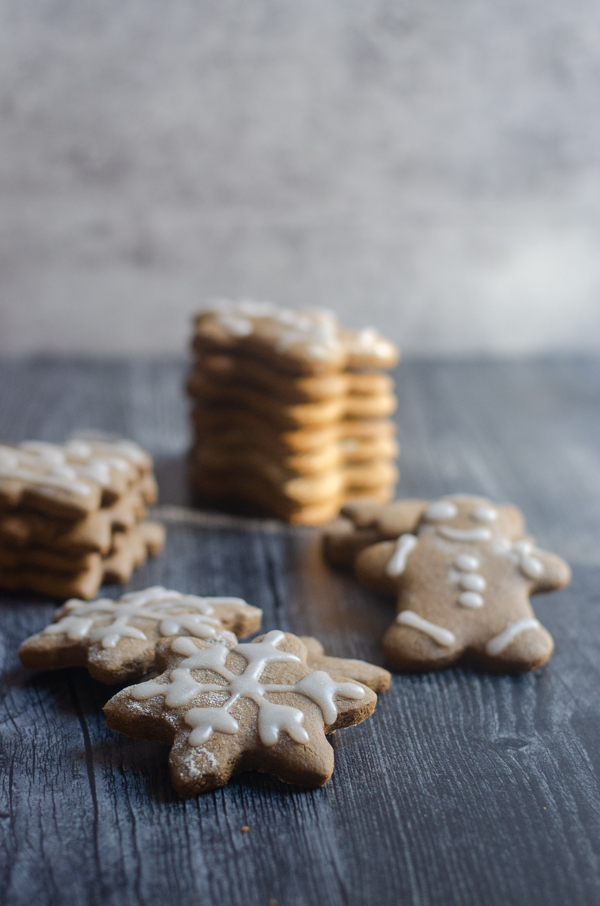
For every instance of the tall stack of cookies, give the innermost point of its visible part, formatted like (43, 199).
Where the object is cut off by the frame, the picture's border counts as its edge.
(73, 516)
(291, 410)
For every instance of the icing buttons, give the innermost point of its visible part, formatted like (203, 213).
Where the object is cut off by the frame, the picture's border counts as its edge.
(467, 563)
(471, 599)
(472, 582)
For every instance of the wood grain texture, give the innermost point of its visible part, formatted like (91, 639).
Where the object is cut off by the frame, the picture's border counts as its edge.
(462, 789)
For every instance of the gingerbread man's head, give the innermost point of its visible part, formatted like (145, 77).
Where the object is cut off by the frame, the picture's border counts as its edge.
(471, 520)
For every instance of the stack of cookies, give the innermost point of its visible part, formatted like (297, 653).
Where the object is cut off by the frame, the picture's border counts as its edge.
(291, 411)
(72, 515)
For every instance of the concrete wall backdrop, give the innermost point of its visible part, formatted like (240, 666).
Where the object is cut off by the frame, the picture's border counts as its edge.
(432, 168)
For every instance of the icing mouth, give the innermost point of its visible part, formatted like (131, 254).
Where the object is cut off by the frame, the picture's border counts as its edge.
(456, 534)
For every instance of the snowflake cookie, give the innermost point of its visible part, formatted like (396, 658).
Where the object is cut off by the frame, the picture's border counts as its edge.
(116, 640)
(226, 707)
(463, 573)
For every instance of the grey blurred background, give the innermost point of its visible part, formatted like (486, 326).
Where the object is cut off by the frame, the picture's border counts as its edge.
(430, 168)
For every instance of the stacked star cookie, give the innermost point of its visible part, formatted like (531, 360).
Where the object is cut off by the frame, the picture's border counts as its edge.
(73, 516)
(291, 410)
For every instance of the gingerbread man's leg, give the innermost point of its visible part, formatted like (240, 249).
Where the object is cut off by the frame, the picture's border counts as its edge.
(414, 644)
(523, 646)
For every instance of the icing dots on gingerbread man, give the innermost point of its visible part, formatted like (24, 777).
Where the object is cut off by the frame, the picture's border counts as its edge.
(227, 707)
(464, 577)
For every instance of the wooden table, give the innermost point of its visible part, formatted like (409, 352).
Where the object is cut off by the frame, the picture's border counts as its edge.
(463, 788)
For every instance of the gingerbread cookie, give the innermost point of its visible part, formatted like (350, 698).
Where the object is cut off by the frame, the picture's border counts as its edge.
(463, 576)
(72, 515)
(226, 707)
(93, 533)
(231, 370)
(295, 342)
(292, 416)
(281, 396)
(116, 640)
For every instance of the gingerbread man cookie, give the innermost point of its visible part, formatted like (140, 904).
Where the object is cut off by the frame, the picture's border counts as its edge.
(226, 707)
(464, 576)
(116, 640)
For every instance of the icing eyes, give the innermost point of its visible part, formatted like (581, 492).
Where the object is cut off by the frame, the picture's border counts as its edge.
(440, 510)
(444, 510)
(484, 514)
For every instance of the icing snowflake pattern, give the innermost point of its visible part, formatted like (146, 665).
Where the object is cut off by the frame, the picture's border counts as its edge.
(171, 613)
(273, 718)
(69, 466)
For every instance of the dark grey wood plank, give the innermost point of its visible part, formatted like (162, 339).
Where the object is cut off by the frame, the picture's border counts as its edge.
(462, 789)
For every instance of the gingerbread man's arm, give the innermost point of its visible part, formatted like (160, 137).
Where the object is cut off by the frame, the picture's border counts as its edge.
(343, 541)
(548, 571)
(371, 566)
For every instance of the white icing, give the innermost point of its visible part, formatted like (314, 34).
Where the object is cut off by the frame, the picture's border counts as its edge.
(317, 331)
(168, 612)
(369, 342)
(382, 349)
(9, 459)
(292, 318)
(521, 553)
(456, 534)
(70, 467)
(117, 450)
(47, 453)
(442, 636)
(239, 327)
(485, 514)
(80, 449)
(440, 510)
(215, 715)
(472, 582)
(397, 562)
(254, 308)
(470, 599)
(320, 350)
(500, 642)
(467, 563)
(531, 567)
(524, 546)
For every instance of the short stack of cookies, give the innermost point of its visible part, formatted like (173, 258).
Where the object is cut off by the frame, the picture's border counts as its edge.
(291, 411)
(72, 516)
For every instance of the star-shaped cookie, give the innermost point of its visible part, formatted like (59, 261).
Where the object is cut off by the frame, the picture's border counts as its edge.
(116, 640)
(226, 707)
(376, 678)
